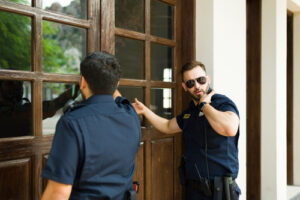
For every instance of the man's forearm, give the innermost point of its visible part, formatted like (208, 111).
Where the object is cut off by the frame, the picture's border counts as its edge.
(55, 196)
(57, 191)
(160, 123)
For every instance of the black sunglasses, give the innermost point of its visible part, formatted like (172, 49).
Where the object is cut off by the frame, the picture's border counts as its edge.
(201, 80)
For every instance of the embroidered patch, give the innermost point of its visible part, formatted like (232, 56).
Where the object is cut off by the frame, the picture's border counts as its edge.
(186, 116)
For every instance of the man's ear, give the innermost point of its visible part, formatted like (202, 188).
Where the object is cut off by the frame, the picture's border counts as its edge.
(83, 83)
(184, 86)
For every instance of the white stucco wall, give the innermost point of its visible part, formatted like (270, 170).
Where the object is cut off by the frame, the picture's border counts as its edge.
(296, 99)
(273, 110)
(221, 46)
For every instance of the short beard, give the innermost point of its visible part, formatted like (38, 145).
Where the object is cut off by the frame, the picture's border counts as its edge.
(197, 97)
(193, 96)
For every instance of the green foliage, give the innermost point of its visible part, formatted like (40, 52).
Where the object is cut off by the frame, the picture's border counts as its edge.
(61, 44)
(53, 57)
(15, 41)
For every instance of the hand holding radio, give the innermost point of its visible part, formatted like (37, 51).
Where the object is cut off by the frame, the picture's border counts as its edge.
(206, 98)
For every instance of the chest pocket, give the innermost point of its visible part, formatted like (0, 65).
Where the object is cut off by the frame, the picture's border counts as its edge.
(193, 130)
(197, 132)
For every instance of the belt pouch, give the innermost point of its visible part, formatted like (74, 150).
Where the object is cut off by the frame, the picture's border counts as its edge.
(218, 188)
(227, 182)
(131, 195)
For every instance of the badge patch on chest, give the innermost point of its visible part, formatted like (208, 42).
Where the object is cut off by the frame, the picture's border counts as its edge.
(186, 116)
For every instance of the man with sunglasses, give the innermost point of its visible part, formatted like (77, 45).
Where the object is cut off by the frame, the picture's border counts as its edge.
(210, 127)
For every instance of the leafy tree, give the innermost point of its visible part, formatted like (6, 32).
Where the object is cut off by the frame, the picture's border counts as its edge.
(53, 57)
(15, 41)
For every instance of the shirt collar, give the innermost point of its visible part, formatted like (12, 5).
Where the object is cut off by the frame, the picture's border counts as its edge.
(192, 104)
(99, 98)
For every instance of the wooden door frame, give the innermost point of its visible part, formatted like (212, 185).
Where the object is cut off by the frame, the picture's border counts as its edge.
(253, 98)
(290, 99)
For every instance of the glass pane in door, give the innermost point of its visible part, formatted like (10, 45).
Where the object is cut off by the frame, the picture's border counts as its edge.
(63, 48)
(15, 41)
(132, 92)
(161, 62)
(161, 102)
(75, 8)
(56, 98)
(15, 108)
(162, 19)
(130, 14)
(130, 54)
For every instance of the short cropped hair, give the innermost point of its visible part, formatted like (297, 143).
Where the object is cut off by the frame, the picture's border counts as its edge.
(102, 72)
(191, 65)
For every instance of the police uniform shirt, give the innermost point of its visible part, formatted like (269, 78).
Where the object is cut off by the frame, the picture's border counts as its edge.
(94, 148)
(207, 153)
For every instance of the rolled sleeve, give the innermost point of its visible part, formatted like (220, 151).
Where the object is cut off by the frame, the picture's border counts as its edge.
(63, 159)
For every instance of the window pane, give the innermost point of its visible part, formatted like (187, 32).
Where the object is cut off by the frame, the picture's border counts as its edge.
(132, 92)
(130, 14)
(55, 98)
(15, 108)
(130, 54)
(75, 8)
(162, 19)
(161, 62)
(25, 2)
(63, 48)
(161, 102)
(15, 41)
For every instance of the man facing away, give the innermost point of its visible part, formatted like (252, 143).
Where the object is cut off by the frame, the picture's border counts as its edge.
(210, 127)
(95, 143)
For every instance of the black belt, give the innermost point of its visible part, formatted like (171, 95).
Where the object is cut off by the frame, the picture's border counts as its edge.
(216, 188)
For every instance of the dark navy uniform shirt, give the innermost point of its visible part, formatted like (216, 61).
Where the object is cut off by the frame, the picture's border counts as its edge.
(94, 148)
(221, 157)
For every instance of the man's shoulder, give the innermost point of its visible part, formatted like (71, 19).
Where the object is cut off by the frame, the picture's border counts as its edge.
(220, 98)
(75, 112)
(224, 103)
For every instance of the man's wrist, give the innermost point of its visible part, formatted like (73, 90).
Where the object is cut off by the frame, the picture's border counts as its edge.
(201, 105)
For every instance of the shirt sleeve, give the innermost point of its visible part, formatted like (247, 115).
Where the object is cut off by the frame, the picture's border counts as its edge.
(63, 159)
(179, 120)
(125, 103)
(228, 105)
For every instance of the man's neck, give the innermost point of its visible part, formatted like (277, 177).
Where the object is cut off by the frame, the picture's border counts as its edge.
(87, 94)
(196, 102)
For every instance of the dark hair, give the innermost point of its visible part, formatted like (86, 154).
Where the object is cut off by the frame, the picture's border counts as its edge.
(191, 65)
(102, 72)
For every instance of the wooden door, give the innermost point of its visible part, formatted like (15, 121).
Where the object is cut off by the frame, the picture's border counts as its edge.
(41, 45)
(147, 41)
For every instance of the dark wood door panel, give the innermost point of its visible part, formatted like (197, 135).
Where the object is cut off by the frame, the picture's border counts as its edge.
(16, 179)
(139, 171)
(162, 168)
(22, 147)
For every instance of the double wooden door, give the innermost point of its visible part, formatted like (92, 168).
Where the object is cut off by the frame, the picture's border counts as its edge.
(41, 45)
